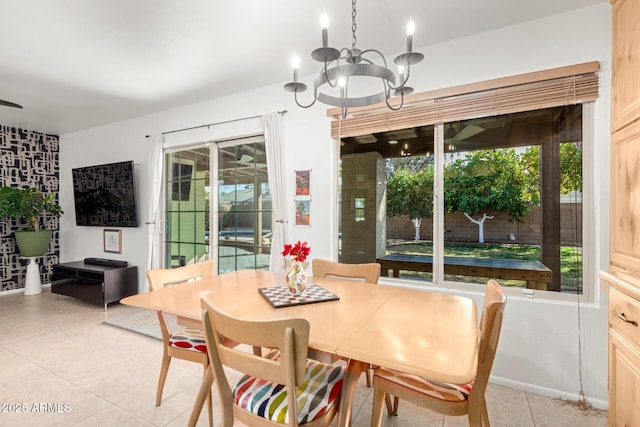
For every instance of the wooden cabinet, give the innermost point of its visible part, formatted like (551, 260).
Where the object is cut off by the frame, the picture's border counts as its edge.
(625, 197)
(624, 349)
(625, 85)
(623, 276)
(623, 366)
(98, 284)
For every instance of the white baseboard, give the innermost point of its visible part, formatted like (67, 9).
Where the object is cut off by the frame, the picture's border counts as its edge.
(544, 391)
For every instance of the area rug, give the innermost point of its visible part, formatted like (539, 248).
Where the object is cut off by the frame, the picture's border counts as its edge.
(139, 320)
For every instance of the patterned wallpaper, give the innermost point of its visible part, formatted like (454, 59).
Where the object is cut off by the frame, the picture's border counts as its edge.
(27, 159)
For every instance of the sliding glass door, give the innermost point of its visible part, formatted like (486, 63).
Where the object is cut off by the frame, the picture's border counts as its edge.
(244, 206)
(187, 201)
(218, 205)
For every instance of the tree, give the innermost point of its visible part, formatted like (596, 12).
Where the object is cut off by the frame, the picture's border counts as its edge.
(486, 180)
(412, 164)
(570, 169)
(411, 193)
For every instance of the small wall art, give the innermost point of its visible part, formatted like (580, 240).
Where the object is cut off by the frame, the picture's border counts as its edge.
(303, 212)
(303, 183)
(113, 241)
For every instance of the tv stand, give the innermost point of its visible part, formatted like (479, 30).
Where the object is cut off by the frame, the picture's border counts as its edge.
(98, 284)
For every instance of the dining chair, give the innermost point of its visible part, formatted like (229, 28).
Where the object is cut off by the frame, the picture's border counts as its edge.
(280, 388)
(186, 344)
(368, 272)
(445, 398)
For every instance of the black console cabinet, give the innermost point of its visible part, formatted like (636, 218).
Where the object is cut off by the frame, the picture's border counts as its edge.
(98, 284)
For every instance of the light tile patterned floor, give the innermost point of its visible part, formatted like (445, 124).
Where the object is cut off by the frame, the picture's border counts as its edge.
(61, 366)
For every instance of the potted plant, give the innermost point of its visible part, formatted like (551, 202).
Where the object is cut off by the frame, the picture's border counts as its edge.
(30, 205)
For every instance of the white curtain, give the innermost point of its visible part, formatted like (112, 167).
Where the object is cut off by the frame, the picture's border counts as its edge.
(154, 186)
(273, 132)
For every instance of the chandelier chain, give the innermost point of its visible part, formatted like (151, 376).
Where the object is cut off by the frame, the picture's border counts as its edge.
(353, 24)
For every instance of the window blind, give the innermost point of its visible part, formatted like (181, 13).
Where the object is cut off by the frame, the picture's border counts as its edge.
(549, 88)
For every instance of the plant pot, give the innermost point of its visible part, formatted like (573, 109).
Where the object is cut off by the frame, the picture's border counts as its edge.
(33, 243)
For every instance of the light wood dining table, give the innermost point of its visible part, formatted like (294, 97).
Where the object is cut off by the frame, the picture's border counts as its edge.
(425, 333)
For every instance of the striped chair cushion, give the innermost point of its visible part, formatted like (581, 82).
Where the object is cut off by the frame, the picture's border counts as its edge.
(321, 388)
(439, 390)
(188, 339)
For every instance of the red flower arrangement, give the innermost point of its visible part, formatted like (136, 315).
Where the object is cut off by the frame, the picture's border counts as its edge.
(299, 252)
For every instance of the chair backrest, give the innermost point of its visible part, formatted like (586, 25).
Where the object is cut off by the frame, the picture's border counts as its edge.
(289, 337)
(493, 308)
(369, 272)
(161, 277)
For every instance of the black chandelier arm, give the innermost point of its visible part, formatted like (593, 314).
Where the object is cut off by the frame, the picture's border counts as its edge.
(315, 98)
(405, 81)
(344, 97)
(386, 100)
(384, 61)
(368, 61)
(326, 73)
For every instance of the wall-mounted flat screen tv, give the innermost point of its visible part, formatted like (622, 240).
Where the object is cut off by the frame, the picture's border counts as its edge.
(105, 195)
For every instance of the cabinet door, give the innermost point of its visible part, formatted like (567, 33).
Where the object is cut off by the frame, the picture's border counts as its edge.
(625, 96)
(625, 198)
(624, 382)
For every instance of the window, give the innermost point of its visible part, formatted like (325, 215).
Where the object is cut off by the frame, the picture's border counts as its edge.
(511, 205)
(359, 209)
(502, 162)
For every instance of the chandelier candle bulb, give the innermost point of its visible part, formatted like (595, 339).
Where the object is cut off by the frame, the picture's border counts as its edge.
(295, 63)
(324, 23)
(411, 28)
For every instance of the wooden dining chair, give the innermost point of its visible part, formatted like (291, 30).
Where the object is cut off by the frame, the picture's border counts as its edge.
(186, 344)
(445, 398)
(368, 272)
(280, 388)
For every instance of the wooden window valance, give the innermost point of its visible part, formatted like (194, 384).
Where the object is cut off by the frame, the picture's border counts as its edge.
(549, 88)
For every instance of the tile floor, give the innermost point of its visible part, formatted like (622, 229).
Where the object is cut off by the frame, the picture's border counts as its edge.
(62, 367)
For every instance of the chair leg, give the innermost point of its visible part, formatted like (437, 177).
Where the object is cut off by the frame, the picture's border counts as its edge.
(391, 409)
(164, 369)
(379, 397)
(478, 415)
(367, 375)
(204, 393)
(210, 409)
(485, 414)
(209, 397)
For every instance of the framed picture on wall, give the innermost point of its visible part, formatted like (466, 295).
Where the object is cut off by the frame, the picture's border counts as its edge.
(112, 240)
(303, 183)
(303, 212)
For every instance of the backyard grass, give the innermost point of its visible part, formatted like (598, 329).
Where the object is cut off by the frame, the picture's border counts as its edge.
(570, 260)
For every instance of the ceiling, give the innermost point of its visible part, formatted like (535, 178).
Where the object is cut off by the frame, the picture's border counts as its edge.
(76, 64)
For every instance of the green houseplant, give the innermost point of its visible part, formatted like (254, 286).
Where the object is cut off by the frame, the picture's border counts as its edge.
(30, 205)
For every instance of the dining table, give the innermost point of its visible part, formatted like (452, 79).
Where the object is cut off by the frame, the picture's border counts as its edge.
(416, 331)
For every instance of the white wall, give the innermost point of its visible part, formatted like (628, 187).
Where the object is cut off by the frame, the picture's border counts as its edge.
(539, 346)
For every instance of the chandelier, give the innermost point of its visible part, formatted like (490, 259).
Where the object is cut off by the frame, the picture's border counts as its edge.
(339, 66)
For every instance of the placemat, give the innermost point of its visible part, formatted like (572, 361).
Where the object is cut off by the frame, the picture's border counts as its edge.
(279, 296)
